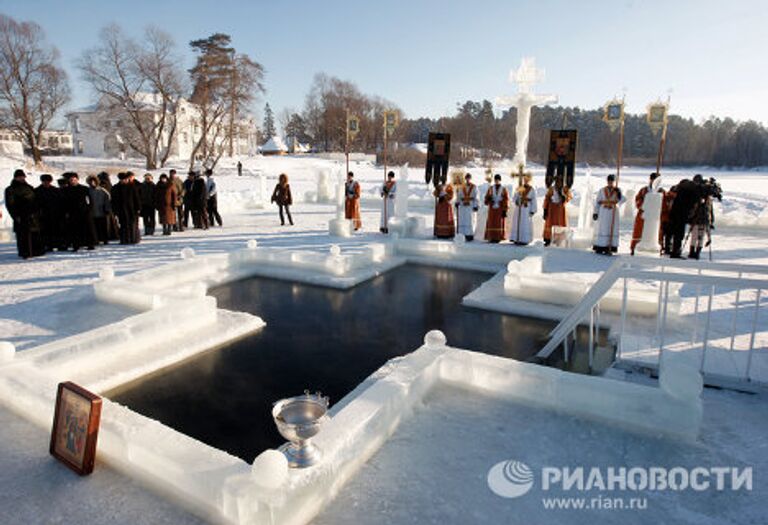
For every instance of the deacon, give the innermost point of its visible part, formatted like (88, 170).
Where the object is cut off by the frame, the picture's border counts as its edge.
(607, 214)
(497, 200)
(637, 230)
(525, 209)
(555, 213)
(352, 200)
(22, 206)
(79, 213)
(444, 227)
(48, 199)
(388, 192)
(466, 206)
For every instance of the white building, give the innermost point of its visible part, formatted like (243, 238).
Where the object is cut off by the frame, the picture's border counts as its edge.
(52, 142)
(99, 131)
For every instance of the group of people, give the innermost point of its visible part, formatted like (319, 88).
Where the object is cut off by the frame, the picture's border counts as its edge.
(458, 211)
(70, 215)
(465, 198)
(686, 214)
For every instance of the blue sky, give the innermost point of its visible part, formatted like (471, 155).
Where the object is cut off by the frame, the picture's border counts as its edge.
(427, 55)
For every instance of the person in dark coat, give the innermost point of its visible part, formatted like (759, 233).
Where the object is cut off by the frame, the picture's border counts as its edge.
(48, 199)
(22, 206)
(126, 203)
(178, 206)
(213, 200)
(165, 202)
(282, 197)
(239, 168)
(101, 208)
(200, 202)
(148, 204)
(79, 215)
(686, 197)
(187, 197)
(113, 229)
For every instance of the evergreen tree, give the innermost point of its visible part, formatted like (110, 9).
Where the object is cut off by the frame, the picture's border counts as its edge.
(268, 127)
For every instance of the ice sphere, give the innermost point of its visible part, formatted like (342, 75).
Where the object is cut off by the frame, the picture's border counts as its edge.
(680, 380)
(513, 266)
(269, 469)
(252, 244)
(107, 273)
(434, 339)
(335, 250)
(187, 253)
(7, 351)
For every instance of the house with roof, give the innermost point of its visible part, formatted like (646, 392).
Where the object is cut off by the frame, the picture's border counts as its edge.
(102, 130)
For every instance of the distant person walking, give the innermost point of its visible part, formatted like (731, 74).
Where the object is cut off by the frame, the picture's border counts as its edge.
(282, 197)
(213, 204)
(239, 169)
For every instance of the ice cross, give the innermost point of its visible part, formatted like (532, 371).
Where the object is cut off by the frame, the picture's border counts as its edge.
(526, 76)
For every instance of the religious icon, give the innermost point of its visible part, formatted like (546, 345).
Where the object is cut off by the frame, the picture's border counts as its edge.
(561, 161)
(613, 114)
(353, 126)
(75, 427)
(657, 116)
(390, 122)
(438, 153)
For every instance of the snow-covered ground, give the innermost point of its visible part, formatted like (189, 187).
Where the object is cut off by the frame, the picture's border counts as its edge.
(47, 298)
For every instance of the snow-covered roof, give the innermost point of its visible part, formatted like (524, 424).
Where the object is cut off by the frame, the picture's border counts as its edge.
(274, 145)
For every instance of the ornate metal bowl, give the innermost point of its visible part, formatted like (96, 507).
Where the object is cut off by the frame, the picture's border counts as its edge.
(298, 419)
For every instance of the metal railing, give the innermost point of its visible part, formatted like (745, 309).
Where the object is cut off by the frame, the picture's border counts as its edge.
(720, 334)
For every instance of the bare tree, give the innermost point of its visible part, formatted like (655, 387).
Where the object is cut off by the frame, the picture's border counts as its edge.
(139, 86)
(32, 87)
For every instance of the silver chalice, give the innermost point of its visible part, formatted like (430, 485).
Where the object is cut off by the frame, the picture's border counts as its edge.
(298, 419)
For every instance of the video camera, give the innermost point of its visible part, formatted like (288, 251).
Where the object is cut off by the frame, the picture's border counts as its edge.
(711, 188)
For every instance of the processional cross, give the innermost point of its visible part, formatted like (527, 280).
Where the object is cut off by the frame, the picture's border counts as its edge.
(526, 76)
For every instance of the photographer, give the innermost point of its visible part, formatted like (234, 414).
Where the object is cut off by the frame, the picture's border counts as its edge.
(702, 218)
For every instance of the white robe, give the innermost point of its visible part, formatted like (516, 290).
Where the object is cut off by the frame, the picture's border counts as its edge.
(482, 215)
(608, 215)
(522, 217)
(465, 213)
(388, 206)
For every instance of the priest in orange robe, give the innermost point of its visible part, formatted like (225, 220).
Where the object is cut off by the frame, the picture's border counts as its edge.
(555, 213)
(497, 200)
(444, 226)
(352, 201)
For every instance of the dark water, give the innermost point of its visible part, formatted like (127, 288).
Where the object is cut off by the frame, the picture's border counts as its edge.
(318, 339)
